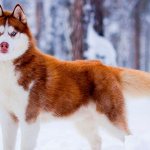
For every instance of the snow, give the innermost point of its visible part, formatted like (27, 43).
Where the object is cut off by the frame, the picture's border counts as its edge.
(113, 28)
(99, 48)
(62, 135)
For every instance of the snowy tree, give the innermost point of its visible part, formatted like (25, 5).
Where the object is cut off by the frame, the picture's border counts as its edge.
(88, 28)
(61, 28)
(98, 14)
(99, 48)
(125, 25)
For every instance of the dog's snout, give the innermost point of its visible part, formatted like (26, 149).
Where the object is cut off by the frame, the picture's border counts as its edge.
(4, 47)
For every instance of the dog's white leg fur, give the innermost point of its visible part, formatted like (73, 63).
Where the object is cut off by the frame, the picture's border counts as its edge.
(88, 129)
(9, 131)
(86, 124)
(29, 135)
(112, 129)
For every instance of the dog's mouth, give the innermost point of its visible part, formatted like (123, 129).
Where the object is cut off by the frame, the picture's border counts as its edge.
(4, 51)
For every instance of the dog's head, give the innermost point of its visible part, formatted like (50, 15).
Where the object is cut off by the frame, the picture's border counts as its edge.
(14, 34)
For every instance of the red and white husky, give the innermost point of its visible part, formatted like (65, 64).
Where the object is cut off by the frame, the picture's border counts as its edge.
(33, 84)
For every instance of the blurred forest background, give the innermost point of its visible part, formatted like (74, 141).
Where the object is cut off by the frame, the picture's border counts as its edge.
(114, 31)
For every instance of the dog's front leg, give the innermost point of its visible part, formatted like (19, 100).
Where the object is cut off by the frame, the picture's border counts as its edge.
(9, 126)
(29, 134)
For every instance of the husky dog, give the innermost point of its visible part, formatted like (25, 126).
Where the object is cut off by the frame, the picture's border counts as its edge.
(33, 84)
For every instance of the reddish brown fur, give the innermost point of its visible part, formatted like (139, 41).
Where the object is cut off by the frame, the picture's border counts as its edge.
(15, 119)
(62, 87)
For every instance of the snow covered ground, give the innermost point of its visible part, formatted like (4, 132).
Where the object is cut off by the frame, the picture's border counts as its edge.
(61, 135)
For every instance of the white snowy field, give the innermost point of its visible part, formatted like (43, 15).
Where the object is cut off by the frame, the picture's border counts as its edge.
(61, 135)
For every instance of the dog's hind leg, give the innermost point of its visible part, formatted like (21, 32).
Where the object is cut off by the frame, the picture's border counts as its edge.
(110, 105)
(116, 130)
(89, 130)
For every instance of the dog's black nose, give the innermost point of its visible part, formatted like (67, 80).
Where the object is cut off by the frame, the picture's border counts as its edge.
(4, 47)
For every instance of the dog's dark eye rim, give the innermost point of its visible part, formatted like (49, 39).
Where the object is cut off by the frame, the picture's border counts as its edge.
(12, 34)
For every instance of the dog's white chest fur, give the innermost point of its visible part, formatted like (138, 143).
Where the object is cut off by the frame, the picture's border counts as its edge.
(13, 97)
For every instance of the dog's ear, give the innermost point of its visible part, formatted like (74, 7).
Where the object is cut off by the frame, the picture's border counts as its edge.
(1, 11)
(19, 14)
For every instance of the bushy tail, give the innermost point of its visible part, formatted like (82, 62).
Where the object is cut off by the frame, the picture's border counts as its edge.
(134, 82)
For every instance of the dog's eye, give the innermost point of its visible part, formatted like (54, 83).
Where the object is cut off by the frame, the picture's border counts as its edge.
(13, 34)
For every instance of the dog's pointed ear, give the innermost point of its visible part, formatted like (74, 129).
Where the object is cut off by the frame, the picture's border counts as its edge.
(1, 11)
(19, 14)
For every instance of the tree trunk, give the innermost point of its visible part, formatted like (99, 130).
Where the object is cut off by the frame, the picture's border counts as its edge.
(78, 29)
(39, 20)
(98, 12)
(137, 33)
(147, 50)
(137, 27)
